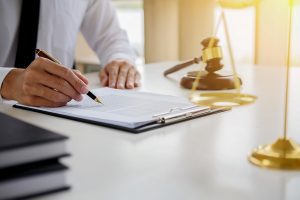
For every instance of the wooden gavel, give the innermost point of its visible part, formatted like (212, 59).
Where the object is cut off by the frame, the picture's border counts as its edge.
(211, 56)
(210, 78)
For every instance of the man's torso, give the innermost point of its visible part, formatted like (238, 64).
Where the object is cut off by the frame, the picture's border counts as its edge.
(59, 24)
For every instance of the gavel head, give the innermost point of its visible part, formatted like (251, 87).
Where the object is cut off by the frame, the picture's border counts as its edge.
(212, 54)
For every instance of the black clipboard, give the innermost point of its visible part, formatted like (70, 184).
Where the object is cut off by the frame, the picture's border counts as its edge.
(164, 119)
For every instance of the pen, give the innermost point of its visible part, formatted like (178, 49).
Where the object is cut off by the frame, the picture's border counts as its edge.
(182, 66)
(44, 54)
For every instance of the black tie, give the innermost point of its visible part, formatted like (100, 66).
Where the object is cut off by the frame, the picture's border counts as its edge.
(28, 30)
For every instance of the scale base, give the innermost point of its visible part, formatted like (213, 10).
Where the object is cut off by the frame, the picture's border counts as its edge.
(209, 81)
(284, 154)
(222, 99)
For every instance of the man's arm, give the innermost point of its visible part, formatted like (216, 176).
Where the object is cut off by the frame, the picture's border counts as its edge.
(102, 31)
(3, 73)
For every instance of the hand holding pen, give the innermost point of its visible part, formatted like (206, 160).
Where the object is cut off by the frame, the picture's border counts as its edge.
(44, 54)
(44, 83)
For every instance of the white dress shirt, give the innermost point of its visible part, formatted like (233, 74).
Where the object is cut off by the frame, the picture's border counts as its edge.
(59, 23)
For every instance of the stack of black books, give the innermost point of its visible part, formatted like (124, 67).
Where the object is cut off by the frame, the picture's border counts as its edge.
(29, 160)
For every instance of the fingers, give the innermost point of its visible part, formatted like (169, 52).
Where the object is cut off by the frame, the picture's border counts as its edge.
(113, 71)
(81, 76)
(120, 74)
(130, 78)
(133, 79)
(48, 94)
(61, 86)
(103, 77)
(64, 73)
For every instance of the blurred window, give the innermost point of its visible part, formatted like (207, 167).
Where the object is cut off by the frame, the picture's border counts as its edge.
(131, 16)
(296, 37)
(241, 25)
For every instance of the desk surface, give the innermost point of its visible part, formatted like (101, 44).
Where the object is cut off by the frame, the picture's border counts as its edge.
(204, 158)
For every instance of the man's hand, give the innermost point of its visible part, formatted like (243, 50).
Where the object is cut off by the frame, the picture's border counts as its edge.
(44, 83)
(120, 74)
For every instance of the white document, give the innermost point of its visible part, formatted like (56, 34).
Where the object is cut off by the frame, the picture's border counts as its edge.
(124, 108)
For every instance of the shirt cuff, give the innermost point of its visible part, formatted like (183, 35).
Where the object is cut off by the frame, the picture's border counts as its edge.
(3, 72)
(121, 56)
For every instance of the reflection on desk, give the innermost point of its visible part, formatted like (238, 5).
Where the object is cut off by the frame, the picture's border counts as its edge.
(201, 159)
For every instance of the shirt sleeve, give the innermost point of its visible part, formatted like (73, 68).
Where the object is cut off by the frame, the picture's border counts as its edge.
(102, 31)
(3, 72)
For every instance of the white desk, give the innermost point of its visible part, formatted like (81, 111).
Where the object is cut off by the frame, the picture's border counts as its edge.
(204, 158)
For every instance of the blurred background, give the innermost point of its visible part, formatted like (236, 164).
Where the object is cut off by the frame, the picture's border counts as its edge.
(169, 30)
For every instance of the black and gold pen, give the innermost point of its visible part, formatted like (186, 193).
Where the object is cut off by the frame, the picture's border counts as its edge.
(44, 54)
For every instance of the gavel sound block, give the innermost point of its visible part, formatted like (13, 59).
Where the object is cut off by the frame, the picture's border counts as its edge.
(211, 78)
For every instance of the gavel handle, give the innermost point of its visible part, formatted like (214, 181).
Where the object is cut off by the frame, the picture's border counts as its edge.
(182, 66)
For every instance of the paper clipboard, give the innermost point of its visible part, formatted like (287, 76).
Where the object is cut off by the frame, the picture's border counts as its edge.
(174, 116)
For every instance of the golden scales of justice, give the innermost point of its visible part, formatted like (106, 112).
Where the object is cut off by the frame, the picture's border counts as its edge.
(283, 153)
(209, 77)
